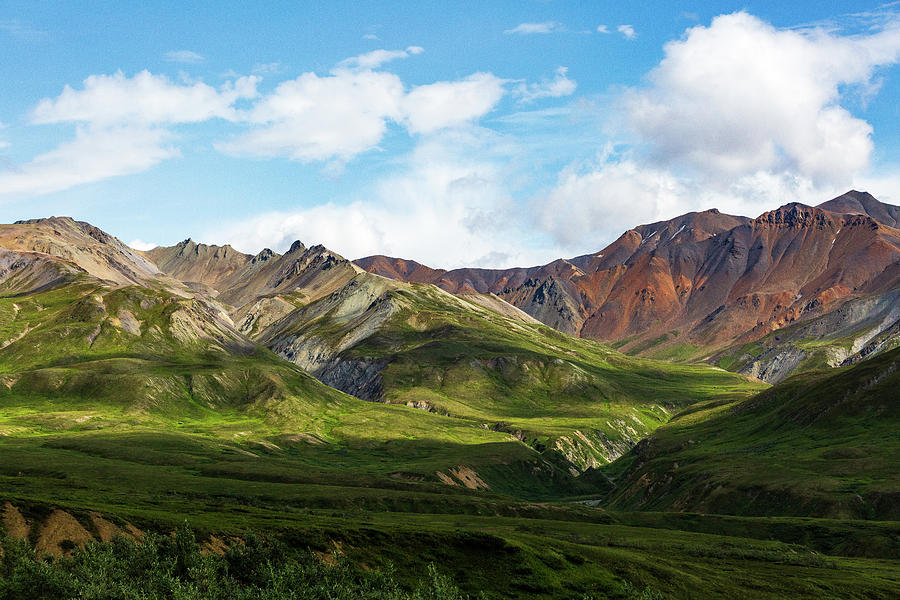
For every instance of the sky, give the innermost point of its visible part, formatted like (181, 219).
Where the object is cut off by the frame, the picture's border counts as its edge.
(495, 134)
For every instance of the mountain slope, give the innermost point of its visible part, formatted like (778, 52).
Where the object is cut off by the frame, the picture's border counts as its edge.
(237, 279)
(486, 373)
(857, 329)
(687, 287)
(864, 203)
(84, 247)
(820, 444)
(417, 345)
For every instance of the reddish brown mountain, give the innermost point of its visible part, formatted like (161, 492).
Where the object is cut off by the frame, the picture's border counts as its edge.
(704, 280)
(864, 203)
(397, 268)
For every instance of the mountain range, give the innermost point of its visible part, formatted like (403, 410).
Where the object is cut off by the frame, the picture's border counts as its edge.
(712, 286)
(306, 390)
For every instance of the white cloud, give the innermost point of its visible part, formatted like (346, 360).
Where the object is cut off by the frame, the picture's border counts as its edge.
(184, 56)
(588, 208)
(143, 99)
(345, 113)
(592, 205)
(318, 118)
(370, 36)
(428, 108)
(557, 87)
(122, 127)
(139, 244)
(91, 156)
(311, 118)
(740, 96)
(627, 31)
(602, 29)
(448, 205)
(883, 183)
(532, 28)
(338, 116)
(376, 58)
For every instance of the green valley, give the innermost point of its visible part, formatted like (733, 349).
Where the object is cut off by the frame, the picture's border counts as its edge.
(390, 426)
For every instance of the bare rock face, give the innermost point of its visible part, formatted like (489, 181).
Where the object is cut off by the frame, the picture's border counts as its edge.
(238, 279)
(83, 246)
(317, 337)
(189, 261)
(29, 272)
(864, 203)
(856, 330)
(703, 280)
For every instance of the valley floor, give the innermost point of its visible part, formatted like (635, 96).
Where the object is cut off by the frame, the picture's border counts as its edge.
(486, 542)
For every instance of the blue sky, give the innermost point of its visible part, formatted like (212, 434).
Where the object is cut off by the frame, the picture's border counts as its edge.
(508, 133)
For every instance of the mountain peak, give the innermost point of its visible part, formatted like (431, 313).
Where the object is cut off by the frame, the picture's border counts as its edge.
(864, 203)
(45, 220)
(263, 255)
(297, 246)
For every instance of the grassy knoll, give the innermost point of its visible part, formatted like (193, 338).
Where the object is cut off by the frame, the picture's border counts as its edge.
(823, 443)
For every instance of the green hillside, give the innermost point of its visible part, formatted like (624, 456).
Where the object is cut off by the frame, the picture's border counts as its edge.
(824, 443)
(150, 408)
(576, 401)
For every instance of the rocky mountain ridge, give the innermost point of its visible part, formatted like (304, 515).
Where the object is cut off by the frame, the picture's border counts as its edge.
(704, 285)
(695, 285)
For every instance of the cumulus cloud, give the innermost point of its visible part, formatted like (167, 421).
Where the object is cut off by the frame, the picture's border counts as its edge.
(93, 155)
(557, 87)
(602, 29)
(589, 207)
(449, 204)
(532, 28)
(311, 118)
(340, 115)
(738, 115)
(318, 118)
(428, 108)
(184, 56)
(740, 96)
(122, 127)
(144, 99)
(376, 58)
(592, 204)
(627, 31)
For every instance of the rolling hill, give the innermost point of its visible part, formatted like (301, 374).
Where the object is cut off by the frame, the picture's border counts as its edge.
(823, 444)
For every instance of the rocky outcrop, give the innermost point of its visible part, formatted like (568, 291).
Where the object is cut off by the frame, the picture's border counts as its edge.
(856, 330)
(238, 279)
(318, 337)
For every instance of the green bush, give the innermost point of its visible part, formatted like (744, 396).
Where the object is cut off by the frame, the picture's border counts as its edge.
(172, 568)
